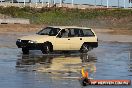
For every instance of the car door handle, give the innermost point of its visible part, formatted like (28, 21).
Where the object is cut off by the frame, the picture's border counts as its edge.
(68, 39)
(80, 38)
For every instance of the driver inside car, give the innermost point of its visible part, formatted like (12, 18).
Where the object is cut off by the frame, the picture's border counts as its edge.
(65, 33)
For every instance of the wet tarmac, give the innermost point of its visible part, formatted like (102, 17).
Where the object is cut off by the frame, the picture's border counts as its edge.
(111, 60)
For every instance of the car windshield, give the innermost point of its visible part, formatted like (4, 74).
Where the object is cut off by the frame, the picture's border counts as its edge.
(49, 31)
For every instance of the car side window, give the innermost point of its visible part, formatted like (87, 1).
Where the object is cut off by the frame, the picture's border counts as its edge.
(54, 31)
(49, 31)
(81, 33)
(87, 33)
(71, 33)
(64, 33)
(75, 32)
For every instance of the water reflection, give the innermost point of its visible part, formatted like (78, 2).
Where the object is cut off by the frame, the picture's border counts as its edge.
(62, 65)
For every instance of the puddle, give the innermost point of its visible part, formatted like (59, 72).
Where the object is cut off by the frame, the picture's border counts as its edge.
(111, 60)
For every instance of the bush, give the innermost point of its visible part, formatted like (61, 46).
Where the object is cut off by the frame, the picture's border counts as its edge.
(63, 15)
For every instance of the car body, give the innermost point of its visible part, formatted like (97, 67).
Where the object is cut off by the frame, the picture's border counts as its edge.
(60, 38)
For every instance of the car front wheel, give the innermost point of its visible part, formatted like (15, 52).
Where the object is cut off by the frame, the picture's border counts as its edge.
(25, 50)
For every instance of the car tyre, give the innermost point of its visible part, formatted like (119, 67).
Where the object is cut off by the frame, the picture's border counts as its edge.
(25, 50)
(46, 49)
(85, 48)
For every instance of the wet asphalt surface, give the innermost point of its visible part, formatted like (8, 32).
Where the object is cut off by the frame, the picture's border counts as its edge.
(111, 60)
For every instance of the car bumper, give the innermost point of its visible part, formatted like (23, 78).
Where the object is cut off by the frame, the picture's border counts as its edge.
(96, 45)
(31, 46)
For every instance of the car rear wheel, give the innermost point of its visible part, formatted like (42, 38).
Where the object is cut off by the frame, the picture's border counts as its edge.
(46, 49)
(85, 48)
(25, 50)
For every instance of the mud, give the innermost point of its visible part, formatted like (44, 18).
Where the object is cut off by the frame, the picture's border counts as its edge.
(111, 60)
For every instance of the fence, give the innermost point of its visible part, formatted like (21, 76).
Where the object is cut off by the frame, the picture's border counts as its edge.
(68, 5)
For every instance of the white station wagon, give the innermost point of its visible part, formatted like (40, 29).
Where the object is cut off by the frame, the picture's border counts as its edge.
(59, 38)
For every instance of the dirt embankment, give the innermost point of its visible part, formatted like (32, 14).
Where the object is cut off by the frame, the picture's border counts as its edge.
(20, 27)
(5, 28)
(2, 16)
(113, 23)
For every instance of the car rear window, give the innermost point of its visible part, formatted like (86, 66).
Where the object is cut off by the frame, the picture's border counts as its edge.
(87, 32)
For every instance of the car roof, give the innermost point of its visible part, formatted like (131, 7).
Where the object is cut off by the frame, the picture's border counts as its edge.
(64, 27)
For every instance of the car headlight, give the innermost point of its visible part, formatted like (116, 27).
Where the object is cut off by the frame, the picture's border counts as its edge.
(18, 40)
(30, 41)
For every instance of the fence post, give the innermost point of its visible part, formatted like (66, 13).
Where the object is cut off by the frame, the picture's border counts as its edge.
(72, 3)
(54, 2)
(101, 3)
(60, 3)
(130, 4)
(107, 3)
(24, 3)
(124, 3)
(95, 3)
(118, 4)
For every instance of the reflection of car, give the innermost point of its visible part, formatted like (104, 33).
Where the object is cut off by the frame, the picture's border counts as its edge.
(64, 38)
(57, 64)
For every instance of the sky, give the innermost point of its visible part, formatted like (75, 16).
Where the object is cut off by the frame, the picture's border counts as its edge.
(98, 2)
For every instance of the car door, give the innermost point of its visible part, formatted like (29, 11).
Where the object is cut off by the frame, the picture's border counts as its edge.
(76, 40)
(62, 41)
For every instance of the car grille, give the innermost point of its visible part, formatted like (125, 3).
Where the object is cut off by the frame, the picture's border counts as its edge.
(24, 41)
